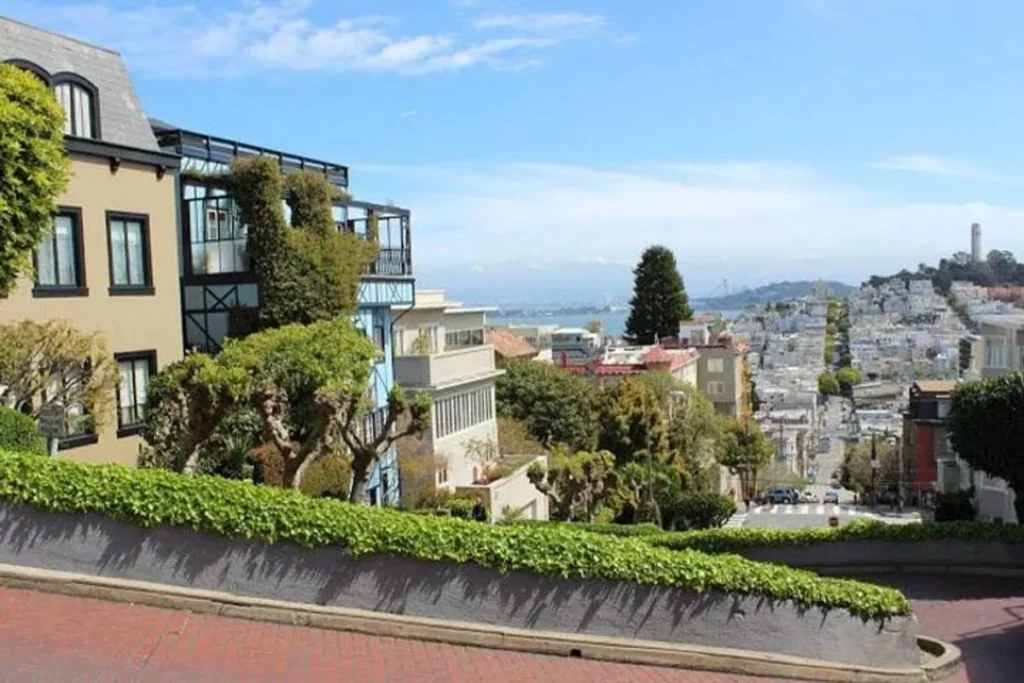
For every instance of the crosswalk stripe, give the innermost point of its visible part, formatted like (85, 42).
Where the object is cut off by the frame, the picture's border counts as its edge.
(789, 509)
(819, 509)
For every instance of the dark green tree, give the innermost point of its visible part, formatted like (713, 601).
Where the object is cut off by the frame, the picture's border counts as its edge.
(555, 406)
(986, 429)
(659, 298)
(33, 168)
(744, 450)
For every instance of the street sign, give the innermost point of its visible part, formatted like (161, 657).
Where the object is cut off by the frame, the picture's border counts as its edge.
(51, 420)
(876, 464)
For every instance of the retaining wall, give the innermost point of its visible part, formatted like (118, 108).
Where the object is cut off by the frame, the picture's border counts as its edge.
(94, 545)
(931, 556)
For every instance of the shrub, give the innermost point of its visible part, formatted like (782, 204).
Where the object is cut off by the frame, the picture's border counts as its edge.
(744, 538)
(328, 477)
(18, 433)
(699, 510)
(954, 507)
(232, 508)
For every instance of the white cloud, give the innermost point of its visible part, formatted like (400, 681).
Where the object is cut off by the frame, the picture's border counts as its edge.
(542, 22)
(925, 163)
(245, 36)
(408, 114)
(753, 215)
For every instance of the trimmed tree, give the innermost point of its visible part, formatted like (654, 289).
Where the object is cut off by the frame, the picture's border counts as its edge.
(66, 365)
(307, 270)
(986, 429)
(659, 300)
(555, 406)
(33, 168)
(308, 384)
(856, 469)
(577, 485)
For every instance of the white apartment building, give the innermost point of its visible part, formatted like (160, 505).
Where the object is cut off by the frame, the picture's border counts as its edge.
(440, 349)
(1002, 339)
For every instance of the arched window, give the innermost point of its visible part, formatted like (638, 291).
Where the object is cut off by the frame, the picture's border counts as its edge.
(78, 98)
(32, 68)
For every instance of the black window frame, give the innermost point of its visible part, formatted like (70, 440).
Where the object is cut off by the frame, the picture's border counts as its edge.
(80, 288)
(132, 428)
(147, 288)
(73, 79)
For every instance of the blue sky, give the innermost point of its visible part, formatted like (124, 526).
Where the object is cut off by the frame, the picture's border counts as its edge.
(542, 145)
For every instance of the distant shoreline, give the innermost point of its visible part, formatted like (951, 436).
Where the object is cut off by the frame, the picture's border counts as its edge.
(613, 324)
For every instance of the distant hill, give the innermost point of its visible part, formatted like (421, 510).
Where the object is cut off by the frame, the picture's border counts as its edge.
(776, 291)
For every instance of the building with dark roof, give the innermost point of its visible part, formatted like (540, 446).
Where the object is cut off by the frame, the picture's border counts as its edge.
(111, 263)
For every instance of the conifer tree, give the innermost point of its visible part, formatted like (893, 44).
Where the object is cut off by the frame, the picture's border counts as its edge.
(659, 298)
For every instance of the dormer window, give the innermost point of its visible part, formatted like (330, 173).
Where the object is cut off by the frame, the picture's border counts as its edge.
(78, 99)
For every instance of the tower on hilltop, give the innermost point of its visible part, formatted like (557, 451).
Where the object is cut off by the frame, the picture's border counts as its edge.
(976, 242)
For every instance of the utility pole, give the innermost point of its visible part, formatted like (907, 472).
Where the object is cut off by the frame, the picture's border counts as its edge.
(874, 469)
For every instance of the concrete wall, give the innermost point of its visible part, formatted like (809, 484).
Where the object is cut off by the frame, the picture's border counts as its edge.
(97, 546)
(139, 322)
(929, 554)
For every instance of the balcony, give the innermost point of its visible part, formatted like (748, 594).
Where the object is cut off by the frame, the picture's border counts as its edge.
(446, 369)
(388, 227)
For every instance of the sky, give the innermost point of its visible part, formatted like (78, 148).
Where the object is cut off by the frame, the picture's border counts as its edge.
(541, 145)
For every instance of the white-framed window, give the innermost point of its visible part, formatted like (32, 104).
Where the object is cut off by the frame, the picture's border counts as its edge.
(463, 411)
(995, 353)
(716, 388)
(716, 365)
(78, 104)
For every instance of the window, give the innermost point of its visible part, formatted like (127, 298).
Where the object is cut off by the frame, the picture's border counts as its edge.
(464, 338)
(80, 429)
(78, 100)
(716, 388)
(463, 411)
(716, 365)
(128, 241)
(60, 268)
(136, 369)
(995, 353)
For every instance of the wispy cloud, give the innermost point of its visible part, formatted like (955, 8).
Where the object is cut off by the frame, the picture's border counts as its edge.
(247, 36)
(925, 163)
(753, 214)
(542, 22)
(408, 113)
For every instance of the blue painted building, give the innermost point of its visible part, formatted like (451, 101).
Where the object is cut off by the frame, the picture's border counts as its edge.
(217, 285)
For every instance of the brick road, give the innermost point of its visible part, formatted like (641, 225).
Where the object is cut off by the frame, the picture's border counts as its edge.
(57, 638)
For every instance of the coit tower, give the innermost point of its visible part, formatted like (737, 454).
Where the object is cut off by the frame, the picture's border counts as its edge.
(976, 242)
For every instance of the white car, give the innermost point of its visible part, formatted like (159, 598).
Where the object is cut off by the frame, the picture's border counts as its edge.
(831, 496)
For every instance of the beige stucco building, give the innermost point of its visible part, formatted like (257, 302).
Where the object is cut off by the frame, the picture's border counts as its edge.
(111, 264)
(440, 348)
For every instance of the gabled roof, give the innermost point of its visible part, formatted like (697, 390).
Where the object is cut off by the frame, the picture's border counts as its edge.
(122, 120)
(508, 345)
(657, 355)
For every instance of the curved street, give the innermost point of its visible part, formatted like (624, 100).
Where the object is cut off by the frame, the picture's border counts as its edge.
(45, 637)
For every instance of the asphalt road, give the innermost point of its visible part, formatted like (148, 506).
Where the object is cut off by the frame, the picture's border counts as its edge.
(802, 516)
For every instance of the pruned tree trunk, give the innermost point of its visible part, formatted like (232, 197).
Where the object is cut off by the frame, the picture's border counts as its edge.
(361, 464)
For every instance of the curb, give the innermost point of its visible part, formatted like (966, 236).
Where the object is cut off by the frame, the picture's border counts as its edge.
(944, 658)
(954, 570)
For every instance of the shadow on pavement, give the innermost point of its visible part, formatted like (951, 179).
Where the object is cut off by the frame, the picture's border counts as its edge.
(995, 654)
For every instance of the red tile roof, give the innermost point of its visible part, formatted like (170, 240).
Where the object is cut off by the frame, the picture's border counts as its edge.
(508, 345)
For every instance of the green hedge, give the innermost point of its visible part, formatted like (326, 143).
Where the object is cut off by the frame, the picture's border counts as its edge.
(744, 538)
(18, 432)
(234, 508)
(644, 529)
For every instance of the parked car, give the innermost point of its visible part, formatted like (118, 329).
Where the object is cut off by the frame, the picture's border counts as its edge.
(831, 497)
(836, 485)
(784, 495)
(808, 497)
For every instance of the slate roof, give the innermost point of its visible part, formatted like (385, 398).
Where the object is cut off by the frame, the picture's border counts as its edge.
(122, 119)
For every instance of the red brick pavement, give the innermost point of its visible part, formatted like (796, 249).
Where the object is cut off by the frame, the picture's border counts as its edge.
(46, 637)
